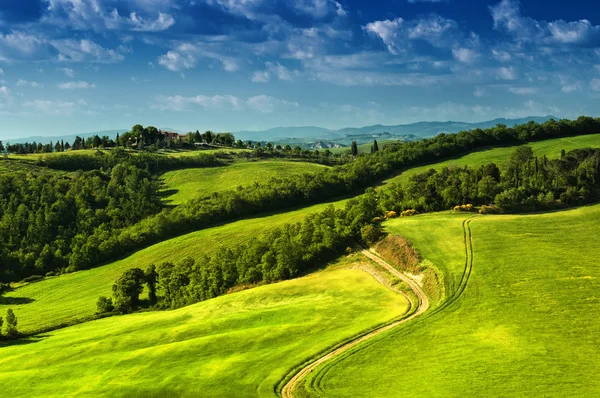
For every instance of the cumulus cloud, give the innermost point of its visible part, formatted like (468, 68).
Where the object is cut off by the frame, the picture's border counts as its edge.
(51, 107)
(260, 103)
(186, 56)
(25, 83)
(67, 71)
(274, 69)
(507, 73)
(72, 50)
(465, 55)
(75, 85)
(5, 91)
(94, 15)
(388, 31)
(507, 16)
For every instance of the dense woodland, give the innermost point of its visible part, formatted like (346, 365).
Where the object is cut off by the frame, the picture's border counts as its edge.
(69, 223)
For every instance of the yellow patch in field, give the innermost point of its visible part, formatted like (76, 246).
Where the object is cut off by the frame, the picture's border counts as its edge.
(498, 336)
(574, 278)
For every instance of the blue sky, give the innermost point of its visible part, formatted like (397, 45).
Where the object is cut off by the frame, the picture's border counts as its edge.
(71, 66)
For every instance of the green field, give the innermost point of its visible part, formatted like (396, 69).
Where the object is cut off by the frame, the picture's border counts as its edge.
(238, 345)
(36, 303)
(500, 156)
(526, 325)
(182, 185)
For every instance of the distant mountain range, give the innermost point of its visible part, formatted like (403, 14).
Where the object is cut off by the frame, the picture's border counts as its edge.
(420, 129)
(319, 137)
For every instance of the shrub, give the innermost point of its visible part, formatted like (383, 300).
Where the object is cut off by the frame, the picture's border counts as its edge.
(370, 234)
(378, 219)
(409, 213)
(104, 305)
(467, 207)
(489, 209)
(391, 214)
(32, 278)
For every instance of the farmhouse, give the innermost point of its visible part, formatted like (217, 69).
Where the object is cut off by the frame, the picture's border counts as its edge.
(170, 135)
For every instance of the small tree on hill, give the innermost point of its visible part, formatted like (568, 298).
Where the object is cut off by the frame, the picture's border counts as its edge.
(11, 324)
(127, 290)
(354, 148)
(104, 305)
(375, 146)
(151, 278)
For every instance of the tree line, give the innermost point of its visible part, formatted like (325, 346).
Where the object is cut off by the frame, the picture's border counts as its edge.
(101, 237)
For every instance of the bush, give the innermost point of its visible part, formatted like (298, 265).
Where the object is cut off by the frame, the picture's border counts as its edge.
(32, 278)
(467, 207)
(409, 213)
(104, 305)
(370, 234)
(489, 209)
(391, 214)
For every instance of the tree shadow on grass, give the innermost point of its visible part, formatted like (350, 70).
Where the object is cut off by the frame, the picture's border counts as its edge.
(22, 341)
(15, 300)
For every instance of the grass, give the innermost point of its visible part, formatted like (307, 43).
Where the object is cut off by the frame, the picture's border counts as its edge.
(71, 298)
(182, 185)
(550, 148)
(526, 325)
(239, 345)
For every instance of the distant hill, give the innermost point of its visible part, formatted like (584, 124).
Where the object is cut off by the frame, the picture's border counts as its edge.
(418, 130)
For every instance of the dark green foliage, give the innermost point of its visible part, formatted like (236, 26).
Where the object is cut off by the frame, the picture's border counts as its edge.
(52, 222)
(354, 148)
(104, 305)
(283, 253)
(375, 146)
(127, 290)
(151, 277)
(370, 234)
(524, 186)
(11, 325)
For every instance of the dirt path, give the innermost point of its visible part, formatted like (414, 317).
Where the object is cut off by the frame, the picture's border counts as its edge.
(288, 390)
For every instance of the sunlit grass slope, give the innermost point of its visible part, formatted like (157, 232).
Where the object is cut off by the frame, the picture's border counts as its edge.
(186, 184)
(550, 148)
(70, 297)
(528, 323)
(239, 345)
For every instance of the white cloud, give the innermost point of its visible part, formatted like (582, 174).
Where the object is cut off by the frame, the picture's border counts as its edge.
(4, 91)
(501, 56)
(260, 103)
(261, 77)
(479, 92)
(507, 73)
(595, 84)
(163, 22)
(67, 71)
(523, 90)
(1, 72)
(388, 31)
(186, 56)
(75, 85)
(268, 104)
(465, 55)
(93, 15)
(71, 50)
(52, 107)
(507, 15)
(25, 83)
(571, 88)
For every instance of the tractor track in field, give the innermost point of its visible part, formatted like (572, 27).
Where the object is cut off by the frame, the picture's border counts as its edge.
(423, 304)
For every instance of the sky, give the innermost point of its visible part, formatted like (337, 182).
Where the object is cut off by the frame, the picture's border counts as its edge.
(75, 66)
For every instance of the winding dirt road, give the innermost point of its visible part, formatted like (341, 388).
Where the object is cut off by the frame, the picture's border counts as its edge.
(288, 390)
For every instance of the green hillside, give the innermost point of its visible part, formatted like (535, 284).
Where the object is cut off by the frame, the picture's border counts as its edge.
(500, 155)
(36, 303)
(182, 185)
(238, 345)
(526, 325)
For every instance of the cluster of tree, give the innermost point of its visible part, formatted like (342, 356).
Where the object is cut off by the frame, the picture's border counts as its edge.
(529, 183)
(33, 147)
(104, 244)
(150, 161)
(280, 254)
(92, 142)
(10, 331)
(48, 222)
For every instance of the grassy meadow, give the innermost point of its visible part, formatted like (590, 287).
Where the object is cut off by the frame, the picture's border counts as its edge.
(37, 304)
(526, 325)
(500, 155)
(239, 345)
(185, 184)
